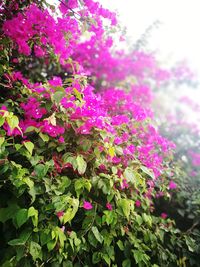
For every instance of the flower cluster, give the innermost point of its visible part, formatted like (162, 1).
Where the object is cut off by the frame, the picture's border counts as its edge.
(78, 136)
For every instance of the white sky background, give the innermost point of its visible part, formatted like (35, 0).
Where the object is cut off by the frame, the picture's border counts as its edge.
(177, 38)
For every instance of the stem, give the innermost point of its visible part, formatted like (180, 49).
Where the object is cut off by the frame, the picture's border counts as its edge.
(92, 222)
(74, 13)
(192, 227)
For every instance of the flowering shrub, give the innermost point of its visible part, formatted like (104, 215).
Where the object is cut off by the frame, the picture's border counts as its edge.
(81, 162)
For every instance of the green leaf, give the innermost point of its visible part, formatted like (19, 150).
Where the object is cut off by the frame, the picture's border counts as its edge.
(71, 211)
(147, 219)
(24, 236)
(2, 139)
(181, 212)
(92, 240)
(69, 264)
(29, 146)
(16, 242)
(140, 256)
(35, 159)
(21, 217)
(106, 258)
(64, 183)
(2, 120)
(8, 213)
(31, 129)
(61, 236)
(82, 165)
(44, 137)
(45, 236)
(114, 170)
(129, 175)
(148, 171)
(82, 184)
(8, 263)
(97, 152)
(105, 185)
(111, 152)
(18, 146)
(110, 217)
(96, 257)
(190, 243)
(120, 245)
(51, 244)
(125, 206)
(126, 263)
(77, 242)
(29, 182)
(77, 94)
(58, 96)
(33, 213)
(41, 170)
(20, 251)
(119, 150)
(139, 219)
(13, 121)
(96, 233)
(85, 144)
(35, 250)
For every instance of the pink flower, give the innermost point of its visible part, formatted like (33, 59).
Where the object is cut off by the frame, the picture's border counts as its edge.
(61, 139)
(137, 203)
(124, 184)
(172, 185)
(60, 214)
(195, 158)
(39, 52)
(3, 108)
(109, 206)
(87, 205)
(55, 81)
(118, 141)
(163, 215)
(15, 60)
(193, 173)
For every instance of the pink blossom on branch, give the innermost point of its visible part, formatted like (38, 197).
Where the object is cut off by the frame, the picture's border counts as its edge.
(137, 203)
(109, 206)
(163, 215)
(172, 185)
(60, 214)
(87, 205)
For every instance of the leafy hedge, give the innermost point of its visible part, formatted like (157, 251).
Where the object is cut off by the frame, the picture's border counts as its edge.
(81, 162)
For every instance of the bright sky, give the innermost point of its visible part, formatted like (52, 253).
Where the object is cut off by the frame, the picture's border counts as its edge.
(177, 38)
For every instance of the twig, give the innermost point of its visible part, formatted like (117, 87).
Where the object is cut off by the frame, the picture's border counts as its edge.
(192, 227)
(74, 12)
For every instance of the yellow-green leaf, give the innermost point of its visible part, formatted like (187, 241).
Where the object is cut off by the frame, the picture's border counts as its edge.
(13, 122)
(33, 213)
(81, 164)
(77, 94)
(111, 151)
(29, 146)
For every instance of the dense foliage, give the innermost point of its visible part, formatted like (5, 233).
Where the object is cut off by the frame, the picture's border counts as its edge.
(81, 160)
